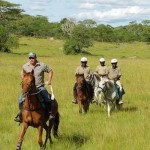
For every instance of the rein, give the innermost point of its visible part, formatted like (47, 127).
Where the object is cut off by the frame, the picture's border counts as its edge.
(28, 94)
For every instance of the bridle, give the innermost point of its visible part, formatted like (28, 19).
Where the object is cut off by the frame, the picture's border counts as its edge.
(28, 94)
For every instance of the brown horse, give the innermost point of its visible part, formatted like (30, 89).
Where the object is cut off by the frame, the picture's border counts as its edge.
(83, 93)
(34, 115)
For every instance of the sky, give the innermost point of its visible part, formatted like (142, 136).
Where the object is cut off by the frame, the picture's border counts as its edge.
(112, 12)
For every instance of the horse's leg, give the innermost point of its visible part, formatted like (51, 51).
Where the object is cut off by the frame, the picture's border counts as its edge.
(80, 107)
(108, 108)
(56, 124)
(51, 123)
(100, 99)
(40, 130)
(96, 97)
(23, 131)
(47, 134)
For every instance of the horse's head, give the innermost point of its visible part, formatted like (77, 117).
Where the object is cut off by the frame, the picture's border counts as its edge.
(80, 79)
(103, 84)
(106, 84)
(28, 81)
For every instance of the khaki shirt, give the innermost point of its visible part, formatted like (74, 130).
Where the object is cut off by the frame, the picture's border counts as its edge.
(84, 70)
(113, 74)
(102, 70)
(39, 70)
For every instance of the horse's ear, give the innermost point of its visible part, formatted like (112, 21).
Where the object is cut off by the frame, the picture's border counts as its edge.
(82, 75)
(76, 75)
(32, 72)
(23, 73)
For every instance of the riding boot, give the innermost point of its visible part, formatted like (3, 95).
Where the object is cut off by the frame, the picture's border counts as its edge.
(18, 118)
(74, 95)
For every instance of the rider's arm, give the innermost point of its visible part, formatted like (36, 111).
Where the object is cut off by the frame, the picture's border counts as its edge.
(49, 77)
(21, 74)
(119, 74)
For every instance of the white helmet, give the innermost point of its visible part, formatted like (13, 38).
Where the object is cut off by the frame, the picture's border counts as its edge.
(83, 59)
(102, 59)
(114, 61)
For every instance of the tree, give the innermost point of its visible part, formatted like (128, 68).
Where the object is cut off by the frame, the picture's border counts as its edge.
(103, 33)
(67, 27)
(9, 13)
(79, 39)
(89, 23)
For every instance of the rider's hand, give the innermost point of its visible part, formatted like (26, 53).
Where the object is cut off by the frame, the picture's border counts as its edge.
(47, 83)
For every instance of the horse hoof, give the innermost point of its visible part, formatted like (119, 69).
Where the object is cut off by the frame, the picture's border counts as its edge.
(43, 147)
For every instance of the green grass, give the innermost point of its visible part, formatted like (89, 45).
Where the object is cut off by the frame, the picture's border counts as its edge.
(127, 129)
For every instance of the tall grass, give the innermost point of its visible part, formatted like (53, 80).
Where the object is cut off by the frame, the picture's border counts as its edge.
(127, 129)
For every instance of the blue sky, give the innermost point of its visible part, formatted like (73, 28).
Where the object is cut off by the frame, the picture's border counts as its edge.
(112, 12)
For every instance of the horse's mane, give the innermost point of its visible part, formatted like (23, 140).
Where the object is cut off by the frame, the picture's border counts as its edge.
(110, 85)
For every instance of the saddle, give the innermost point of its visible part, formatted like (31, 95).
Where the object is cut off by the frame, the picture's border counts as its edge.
(118, 94)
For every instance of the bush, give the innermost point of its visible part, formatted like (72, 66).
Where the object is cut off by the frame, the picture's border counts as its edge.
(69, 47)
(7, 41)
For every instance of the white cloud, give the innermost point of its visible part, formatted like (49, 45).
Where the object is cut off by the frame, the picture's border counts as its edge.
(36, 8)
(113, 14)
(105, 11)
(87, 5)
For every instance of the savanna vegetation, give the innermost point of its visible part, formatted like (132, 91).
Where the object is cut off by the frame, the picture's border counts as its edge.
(77, 35)
(127, 129)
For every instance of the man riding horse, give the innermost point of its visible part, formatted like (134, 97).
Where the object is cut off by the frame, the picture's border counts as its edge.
(83, 69)
(101, 70)
(39, 69)
(114, 74)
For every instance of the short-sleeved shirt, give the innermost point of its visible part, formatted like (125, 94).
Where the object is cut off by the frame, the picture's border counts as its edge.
(101, 70)
(39, 70)
(84, 70)
(114, 73)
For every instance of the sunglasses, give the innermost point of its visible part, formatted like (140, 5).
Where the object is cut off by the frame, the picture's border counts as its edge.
(31, 58)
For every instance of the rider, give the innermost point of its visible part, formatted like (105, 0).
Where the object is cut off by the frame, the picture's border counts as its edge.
(114, 74)
(101, 70)
(83, 69)
(39, 69)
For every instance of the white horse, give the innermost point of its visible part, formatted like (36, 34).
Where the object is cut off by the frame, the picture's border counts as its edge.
(95, 79)
(106, 93)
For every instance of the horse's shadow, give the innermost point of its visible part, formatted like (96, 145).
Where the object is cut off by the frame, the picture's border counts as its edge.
(129, 109)
(76, 139)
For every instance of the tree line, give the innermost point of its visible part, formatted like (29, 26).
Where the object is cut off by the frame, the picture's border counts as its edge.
(77, 35)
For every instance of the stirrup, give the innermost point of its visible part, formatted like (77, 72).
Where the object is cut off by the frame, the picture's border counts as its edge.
(120, 102)
(51, 116)
(74, 102)
(17, 119)
(93, 101)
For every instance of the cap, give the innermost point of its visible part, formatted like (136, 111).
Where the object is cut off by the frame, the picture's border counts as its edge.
(33, 55)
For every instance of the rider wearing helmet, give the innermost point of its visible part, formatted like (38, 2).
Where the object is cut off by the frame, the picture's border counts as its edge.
(83, 69)
(114, 74)
(101, 70)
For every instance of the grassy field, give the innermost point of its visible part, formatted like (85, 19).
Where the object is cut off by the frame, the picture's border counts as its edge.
(128, 129)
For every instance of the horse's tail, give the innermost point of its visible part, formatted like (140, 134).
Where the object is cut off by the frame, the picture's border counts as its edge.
(56, 124)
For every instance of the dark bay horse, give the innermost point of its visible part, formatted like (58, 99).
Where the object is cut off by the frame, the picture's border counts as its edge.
(83, 93)
(33, 114)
